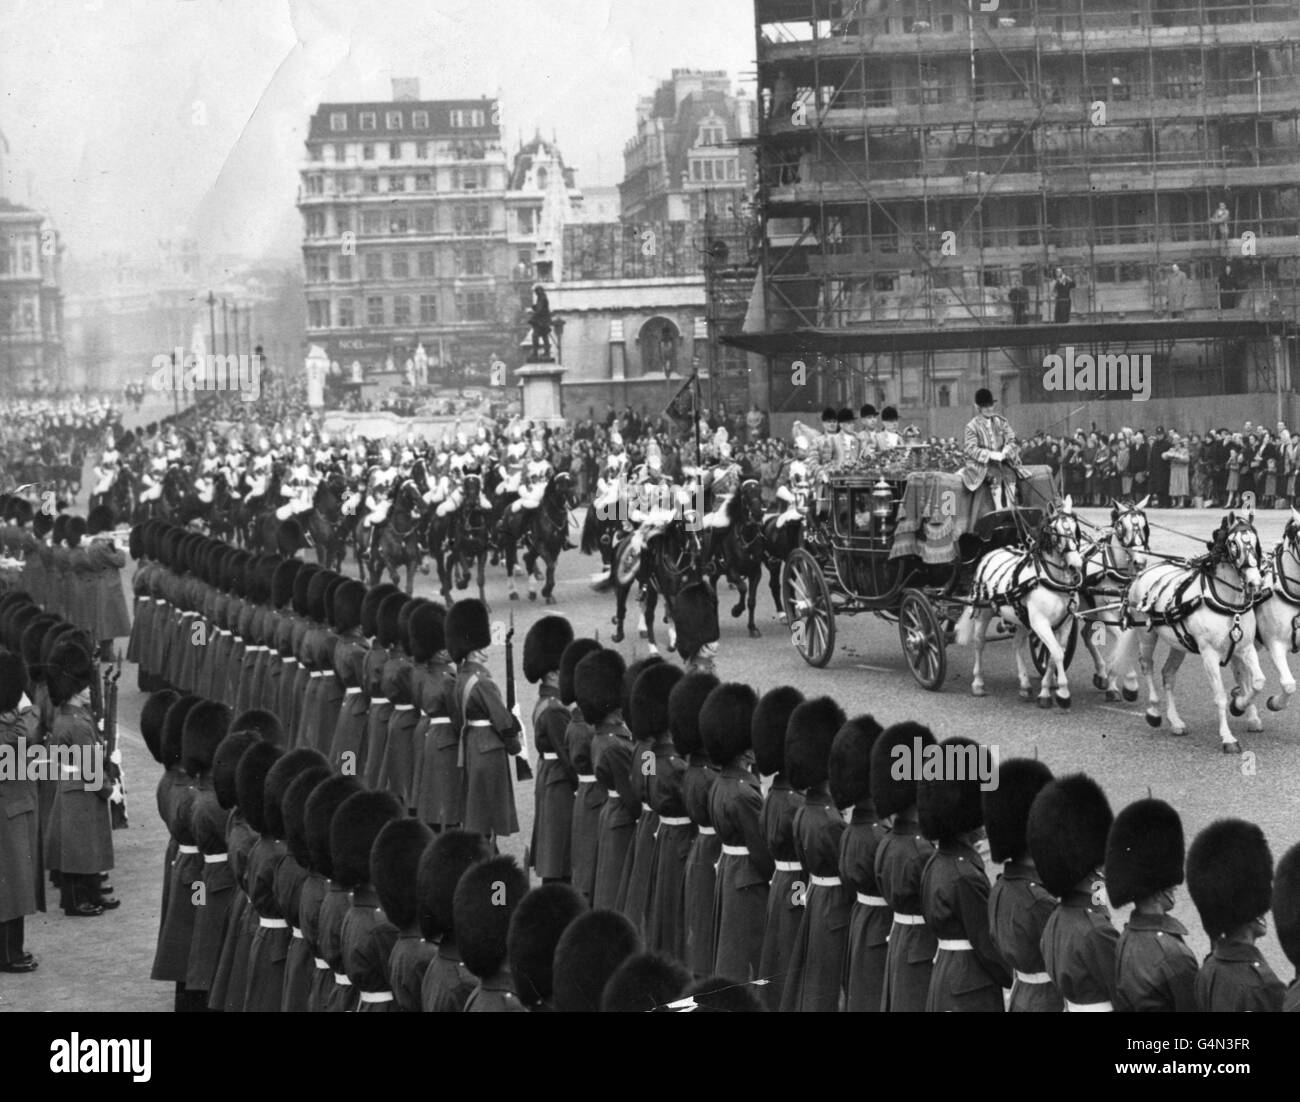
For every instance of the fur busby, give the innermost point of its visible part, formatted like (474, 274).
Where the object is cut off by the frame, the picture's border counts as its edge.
(293, 810)
(348, 602)
(808, 739)
(353, 831)
(893, 790)
(598, 684)
(250, 782)
(205, 726)
(282, 774)
(289, 537)
(1006, 807)
(266, 724)
(388, 618)
(535, 930)
(1229, 875)
(442, 865)
(173, 730)
(151, 720)
(767, 730)
(69, 671)
(630, 674)
(725, 721)
(404, 621)
(717, 995)
(30, 644)
(75, 530)
(648, 706)
(100, 519)
(1069, 822)
(301, 581)
(1286, 904)
(283, 582)
(1144, 852)
(983, 398)
(543, 646)
(332, 587)
(318, 817)
(684, 705)
(467, 628)
(394, 863)
(426, 636)
(849, 765)
(695, 616)
(13, 680)
(316, 586)
(371, 599)
(574, 653)
(225, 764)
(588, 953)
(642, 983)
(484, 902)
(948, 806)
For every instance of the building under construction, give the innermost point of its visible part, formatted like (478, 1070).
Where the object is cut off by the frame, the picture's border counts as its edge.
(925, 168)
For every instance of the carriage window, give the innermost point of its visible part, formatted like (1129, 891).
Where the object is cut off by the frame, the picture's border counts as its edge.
(862, 512)
(843, 515)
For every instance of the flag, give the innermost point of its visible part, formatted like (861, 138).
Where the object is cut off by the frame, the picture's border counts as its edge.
(681, 410)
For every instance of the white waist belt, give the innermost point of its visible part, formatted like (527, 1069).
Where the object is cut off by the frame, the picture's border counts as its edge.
(403, 707)
(351, 690)
(471, 723)
(1033, 977)
(587, 778)
(825, 881)
(323, 965)
(187, 849)
(612, 793)
(1088, 1008)
(789, 866)
(546, 754)
(214, 858)
(376, 996)
(909, 920)
(291, 661)
(646, 809)
(956, 945)
(319, 673)
(384, 700)
(297, 933)
(341, 978)
(273, 923)
(872, 900)
(434, 720)
(674, 820)
(736, 851)
(708, 830)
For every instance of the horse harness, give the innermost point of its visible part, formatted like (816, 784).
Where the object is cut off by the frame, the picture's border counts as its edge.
(1015, 579)
(1181, 606)
(1289, 591)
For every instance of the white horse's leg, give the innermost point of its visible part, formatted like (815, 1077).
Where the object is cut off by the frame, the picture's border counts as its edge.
(1210, 660)
(1024, 663)
(1250, 677)
(1124, 662)
(1041, 625)
(1168, 676)
(979, 626)
(1147, 664)
(1277, 641)
(1101, 673)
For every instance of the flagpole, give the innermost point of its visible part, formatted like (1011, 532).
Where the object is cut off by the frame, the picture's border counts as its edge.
(696, 418)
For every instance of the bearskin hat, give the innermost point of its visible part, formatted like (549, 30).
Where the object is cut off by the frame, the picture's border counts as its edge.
(645, 982)
(543, 646)
(587, 954)
(13, 680)
(32, 637)
(695, 616)
(318, 818)
(266, 724)
(717, 995)
(1006, 807)
(808, 739)
(293, 810)
(484, 901)
(630, 674)
(1144, 852)
(135, 542)
(467, 628)
(173, 732)
(647, 717)
(441, 867)
(371, 599)
(332, 588)
(69, 671)
(1229, 875)
(893, 793)
(205, 726)
(426, 636)
(42, 525)
(281, 775)
(1069, 822)
(349, 600)
(283, 582)
(598, 684)
(225, 764)
(250, 782)
(685, 703)
(535, 929)
(574, 653)
(1286, 904)
(60, 530)
(316, 586)
(152, 716)
(948, 806)
(849, 766)
(289, 537)
(301, 581)
(767, 731)
(387, 620)
(99, 520)
(353, 830)
(394, 864)
(404, 621)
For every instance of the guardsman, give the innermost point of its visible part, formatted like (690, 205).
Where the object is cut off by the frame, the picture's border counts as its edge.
(786, 893)
(448, 984)
(1286, 919)
(258, 474)
(457, 495)
(589, 796)
(587, 955)
(1019, 904)
(485, 900)
(249, 977)
(439, 777)
(104, 560)
(557, 781)
(22, 887)
(650, 502)
(300, 889)
(1069, 822)
(685, 701)
(380, 666)
(394, 866)
(1154, 968)
(318, 817)
(297, 487)
(1230, 880)
(816, 977)
(638, 869)
(400, 759)
(969, 972)
(535, 930)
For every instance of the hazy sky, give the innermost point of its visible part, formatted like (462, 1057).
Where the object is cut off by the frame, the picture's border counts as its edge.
(134, 120)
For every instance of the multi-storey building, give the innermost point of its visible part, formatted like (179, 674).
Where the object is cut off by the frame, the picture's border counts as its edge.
(31, 302)
(920, 160)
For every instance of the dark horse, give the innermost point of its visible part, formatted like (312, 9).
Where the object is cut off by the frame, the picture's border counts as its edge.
(739, 552)
(543, 532)
(669, 561)
(166, 506)
(120, 497)
(325, 522)
(254, 519)
(777, 545)
(461, 539)
(397, 540)
(602, 531)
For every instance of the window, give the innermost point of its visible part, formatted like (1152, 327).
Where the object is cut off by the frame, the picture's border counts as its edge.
(374, 265)
(472, 305)
(424, 181)
(374, 310)
(421, 148)
(393, 120)
(399, 222)
(945, 397)
(402, 310)
(420, 121)
(367, 152)
(428, 308)
(397, 183)
(315, 185)
(345, 267)
(315, 223)
(528, 221)
(401, 265)
(470, 217)
(318, 313)
(425, 221)
(342, 221)
(338, 120)
(473, 177)
(346, 318)
(315, 153)
(394, 151)
(731, 170)
(318, 267)
(426, 264)
(368, 120)
(29, 315)
(340, 153)
(372, 221)
(467, 118)
(713, 133)
(370, 184)
(27, 260)
(470, 260)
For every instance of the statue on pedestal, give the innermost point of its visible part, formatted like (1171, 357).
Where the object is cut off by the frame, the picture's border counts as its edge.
(539, 318)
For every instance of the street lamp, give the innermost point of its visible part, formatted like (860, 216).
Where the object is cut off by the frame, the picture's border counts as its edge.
(557, 325)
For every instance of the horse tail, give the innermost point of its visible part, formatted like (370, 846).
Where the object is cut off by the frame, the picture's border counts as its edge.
(591, 532)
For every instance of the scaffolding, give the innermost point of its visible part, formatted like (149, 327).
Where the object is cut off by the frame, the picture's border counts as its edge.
(921, 161)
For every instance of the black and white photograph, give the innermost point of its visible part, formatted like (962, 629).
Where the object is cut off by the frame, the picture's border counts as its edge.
(746, 506)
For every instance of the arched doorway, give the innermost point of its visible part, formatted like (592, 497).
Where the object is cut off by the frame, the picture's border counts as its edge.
(659, 344)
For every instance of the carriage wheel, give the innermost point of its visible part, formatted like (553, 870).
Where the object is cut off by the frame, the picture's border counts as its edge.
(806, 598)
(922, 636)
(1039, 652)
(627, 563)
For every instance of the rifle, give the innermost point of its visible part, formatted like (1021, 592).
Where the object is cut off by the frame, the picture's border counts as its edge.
(113, 771)
(523, 770)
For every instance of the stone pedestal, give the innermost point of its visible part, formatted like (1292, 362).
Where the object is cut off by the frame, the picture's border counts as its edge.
(541, 387)
(318, 365)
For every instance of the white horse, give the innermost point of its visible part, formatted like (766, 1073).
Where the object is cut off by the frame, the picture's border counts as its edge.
(1278, 617)
(1036, 588)
(1109, 565)
(1205, 607)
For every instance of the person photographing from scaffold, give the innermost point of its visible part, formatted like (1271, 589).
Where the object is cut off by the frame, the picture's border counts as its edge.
(992, 452)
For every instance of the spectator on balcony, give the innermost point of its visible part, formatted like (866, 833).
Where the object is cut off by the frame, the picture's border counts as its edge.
(1229, 288)
(1176, 292)
(1062, 287)
(1018, 297)
(1221, 221)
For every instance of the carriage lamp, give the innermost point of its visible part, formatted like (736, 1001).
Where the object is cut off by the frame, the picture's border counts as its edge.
(882, 500)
